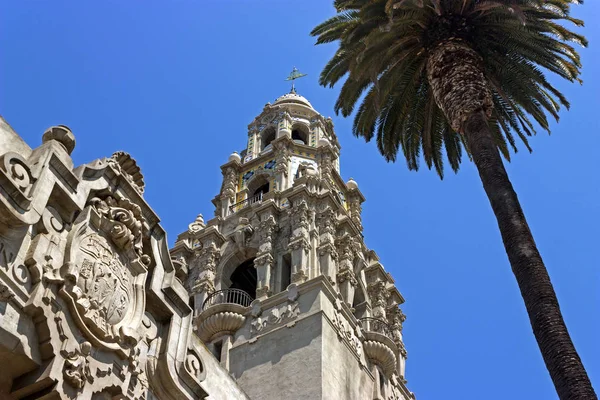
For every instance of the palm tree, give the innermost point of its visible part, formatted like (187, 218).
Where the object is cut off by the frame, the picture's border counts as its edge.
(442, 74)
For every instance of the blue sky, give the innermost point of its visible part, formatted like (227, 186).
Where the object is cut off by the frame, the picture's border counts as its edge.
(175, 83)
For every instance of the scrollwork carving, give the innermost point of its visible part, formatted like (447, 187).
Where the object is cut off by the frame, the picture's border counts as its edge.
(274, 317)
(125, 224)
(345, 332)
(129, 169)
(197, 225)
(229, 182)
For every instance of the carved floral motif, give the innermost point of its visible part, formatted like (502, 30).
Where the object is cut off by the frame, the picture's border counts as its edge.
(345, 331)
(275, 316)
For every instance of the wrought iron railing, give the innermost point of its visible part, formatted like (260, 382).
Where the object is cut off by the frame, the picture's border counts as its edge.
(377, 325)
(227, 296)
(246, 202)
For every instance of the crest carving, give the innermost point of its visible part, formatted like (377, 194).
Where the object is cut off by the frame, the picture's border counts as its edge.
(105, 272)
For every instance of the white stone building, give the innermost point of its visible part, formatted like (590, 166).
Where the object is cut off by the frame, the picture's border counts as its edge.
(276, 297)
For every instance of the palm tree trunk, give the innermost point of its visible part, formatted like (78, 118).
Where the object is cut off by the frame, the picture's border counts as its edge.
(566, 369)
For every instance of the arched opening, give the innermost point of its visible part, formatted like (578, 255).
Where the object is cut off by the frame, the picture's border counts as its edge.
(258, 186)
(299, 134)
(244, 278)
(267, 137)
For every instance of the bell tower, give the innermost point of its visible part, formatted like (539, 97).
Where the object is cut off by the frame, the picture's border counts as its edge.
(286, 294)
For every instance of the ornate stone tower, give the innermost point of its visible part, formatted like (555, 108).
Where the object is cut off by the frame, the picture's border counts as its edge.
(286, 294)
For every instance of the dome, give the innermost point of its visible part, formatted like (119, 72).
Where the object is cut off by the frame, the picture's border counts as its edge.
(292, 98)
(352, 184)
(235, 157)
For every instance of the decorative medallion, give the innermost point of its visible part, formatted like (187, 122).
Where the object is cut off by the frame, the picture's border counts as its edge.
(105, 273)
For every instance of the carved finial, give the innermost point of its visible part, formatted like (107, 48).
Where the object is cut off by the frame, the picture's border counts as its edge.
(62, 134)
(197, 225)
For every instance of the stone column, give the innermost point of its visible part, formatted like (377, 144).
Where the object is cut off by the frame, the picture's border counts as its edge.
(326, 223)
(228, 190)
(285, 125)
(345, 276)
(299, 242)
(282, 165)
(396, 318)
(264, 258)
(355, 209)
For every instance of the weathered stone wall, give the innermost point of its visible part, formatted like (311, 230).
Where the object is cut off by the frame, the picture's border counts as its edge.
(91, 305)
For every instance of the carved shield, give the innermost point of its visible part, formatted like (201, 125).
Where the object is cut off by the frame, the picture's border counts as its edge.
(105, 272)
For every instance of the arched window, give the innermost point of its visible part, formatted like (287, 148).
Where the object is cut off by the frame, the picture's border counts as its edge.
(261, 189)
(244, 278)
(300, 134)
(267, 137)
(258, 185)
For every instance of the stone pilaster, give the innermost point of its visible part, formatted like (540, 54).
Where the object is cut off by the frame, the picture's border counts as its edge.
(355, 209)
(299, 243)
(208, 257)
(326, 223)
(228, 189)
(282, 166)
(345, 275)
(264, 258)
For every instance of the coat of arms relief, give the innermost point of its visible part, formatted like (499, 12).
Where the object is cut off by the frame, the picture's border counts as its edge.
(105, 273)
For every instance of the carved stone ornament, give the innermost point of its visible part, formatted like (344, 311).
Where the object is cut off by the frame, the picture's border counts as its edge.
(209, 256)
(229, 183)
(265, 231)
(197, 225)
(378, 294)
(327, 221)
(347, 275)
(15, 173)
(275, 316)
(76, 369)
(345, 332)
(5, 293)
(105, 272)
(299, 216)
(129, 168)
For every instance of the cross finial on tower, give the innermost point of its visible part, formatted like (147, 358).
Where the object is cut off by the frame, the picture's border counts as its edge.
(295, 74)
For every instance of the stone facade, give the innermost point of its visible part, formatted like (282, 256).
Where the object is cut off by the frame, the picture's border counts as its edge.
(91, 305)
(275, 297)
(286, 294)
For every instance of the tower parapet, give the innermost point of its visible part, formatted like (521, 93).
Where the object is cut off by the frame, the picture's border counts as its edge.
(283, 283)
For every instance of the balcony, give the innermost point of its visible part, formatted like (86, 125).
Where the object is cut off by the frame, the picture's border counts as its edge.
(227, 296)
(379, 345)
(222, 313)
(246, 202)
